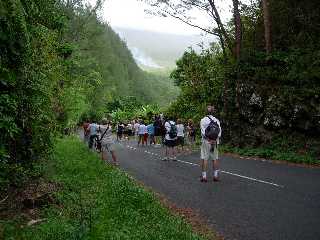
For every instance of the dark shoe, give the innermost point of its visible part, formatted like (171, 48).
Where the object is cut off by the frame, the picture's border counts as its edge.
(202, 179)
(216, 179)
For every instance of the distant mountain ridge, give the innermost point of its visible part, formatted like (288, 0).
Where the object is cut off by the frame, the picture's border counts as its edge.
(159, 50)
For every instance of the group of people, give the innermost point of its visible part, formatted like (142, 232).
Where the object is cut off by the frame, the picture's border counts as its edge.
(124, 130)
(155, 132)
(172, 134)
(162, 131)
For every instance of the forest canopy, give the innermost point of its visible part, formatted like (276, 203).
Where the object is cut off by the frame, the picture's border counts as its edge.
(60, 64)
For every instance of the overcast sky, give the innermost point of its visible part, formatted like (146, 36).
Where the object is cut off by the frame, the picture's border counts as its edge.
(130, 14)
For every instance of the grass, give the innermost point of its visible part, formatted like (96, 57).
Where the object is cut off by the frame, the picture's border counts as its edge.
(271, 153)
(97, 201)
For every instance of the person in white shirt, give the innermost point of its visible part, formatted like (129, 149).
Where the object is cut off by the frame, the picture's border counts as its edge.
(130, 129)
(142, 131)
(170, 140)
(180, 135)
(209, 147)
(136, 129)
(107, 141)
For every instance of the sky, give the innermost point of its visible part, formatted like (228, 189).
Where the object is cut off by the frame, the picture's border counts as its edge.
(131, 14)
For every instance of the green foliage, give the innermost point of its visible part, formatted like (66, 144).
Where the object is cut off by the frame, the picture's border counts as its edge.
(59, 64)
(145, 112)
(99, 202)
(261, 96)
(28, 59)
(200, 77)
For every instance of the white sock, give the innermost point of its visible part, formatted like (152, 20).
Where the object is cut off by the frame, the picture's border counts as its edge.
(204, 174)
(215, 173)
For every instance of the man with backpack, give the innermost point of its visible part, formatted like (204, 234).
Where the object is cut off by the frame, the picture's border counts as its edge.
(211, 134)
(170, 139)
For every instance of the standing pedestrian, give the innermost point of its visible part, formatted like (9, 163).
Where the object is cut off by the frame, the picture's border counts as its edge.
(120, 129)
(107, 141)
(142, 131)
(180, 136)
(136, 129)
(93, 133)
(211, 134)
(191, 134)
(150, 129)
(130, 130)
(157, 129)
(85, 127)
(170, 139)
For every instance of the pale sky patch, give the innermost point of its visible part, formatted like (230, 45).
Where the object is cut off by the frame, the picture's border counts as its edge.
(131, 14)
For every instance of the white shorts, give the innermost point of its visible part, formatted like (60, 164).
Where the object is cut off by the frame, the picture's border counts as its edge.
(108, 147)
(207, 152)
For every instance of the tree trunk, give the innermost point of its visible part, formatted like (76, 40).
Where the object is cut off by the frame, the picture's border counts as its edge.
(222, 30)
(238, 33)
(267, 25)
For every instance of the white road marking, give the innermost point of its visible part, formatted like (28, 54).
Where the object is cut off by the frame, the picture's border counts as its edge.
(225, 172)
(190, 163)
(253, 179)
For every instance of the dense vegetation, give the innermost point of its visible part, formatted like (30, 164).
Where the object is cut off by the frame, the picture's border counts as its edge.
(59, 63)
(265, 85)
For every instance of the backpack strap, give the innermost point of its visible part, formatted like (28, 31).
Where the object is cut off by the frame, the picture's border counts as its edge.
(211, 120)
(103, 133)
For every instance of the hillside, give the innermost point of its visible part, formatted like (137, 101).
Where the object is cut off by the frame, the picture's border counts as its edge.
(159, 50)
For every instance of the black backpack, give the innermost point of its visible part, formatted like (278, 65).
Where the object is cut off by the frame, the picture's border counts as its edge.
(173, 130)
(212, 131)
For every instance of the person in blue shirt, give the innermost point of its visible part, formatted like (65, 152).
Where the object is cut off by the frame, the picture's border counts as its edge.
(150, 129)
(93, 132)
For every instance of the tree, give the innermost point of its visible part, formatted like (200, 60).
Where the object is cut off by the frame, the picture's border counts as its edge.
(181, 10)
(267, 25)
(238, 31)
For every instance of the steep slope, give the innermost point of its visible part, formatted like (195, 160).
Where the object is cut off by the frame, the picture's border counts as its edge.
(160, 50)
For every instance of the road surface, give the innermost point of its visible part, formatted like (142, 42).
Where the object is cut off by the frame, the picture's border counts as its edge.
(255, 199)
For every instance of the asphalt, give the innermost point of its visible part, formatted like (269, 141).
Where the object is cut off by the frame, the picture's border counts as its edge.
(255, 199)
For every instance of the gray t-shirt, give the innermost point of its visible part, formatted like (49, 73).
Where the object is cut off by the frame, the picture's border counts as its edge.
(107, 137)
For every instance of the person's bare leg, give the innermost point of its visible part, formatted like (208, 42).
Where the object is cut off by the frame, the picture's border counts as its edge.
(174, 153)
(166, 153)
(215, 164)
(104, 156)
(204, 167)
(114, 158)
(171, 152)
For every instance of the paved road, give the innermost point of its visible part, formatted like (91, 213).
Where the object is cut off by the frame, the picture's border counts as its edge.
(255, 199)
